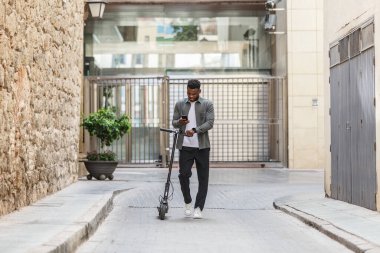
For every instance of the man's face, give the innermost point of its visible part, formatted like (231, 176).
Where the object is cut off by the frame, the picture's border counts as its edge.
(193, 94)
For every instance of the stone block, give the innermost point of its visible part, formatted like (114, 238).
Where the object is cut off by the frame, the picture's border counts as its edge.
(2, 76)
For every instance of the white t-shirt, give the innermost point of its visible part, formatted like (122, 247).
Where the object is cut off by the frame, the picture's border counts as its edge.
(191, 141)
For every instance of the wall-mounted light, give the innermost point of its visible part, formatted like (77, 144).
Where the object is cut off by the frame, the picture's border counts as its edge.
(270, 17)
(270, 22)
(97, 8)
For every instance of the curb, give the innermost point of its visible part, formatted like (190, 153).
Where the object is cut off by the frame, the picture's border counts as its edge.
(351, 241)
(80, 231)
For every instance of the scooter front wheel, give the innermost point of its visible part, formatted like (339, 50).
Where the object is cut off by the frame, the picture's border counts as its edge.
(162, 210)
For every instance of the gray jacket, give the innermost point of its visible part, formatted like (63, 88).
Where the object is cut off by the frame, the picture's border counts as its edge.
(204, 113)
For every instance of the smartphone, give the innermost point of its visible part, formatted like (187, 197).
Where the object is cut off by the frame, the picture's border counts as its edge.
(184, 117)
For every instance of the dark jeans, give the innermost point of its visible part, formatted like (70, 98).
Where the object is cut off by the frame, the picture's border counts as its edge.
(187, 156)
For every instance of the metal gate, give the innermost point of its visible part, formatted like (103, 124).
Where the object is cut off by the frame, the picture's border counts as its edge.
(250, 116)
(140, 98)
(353, 118)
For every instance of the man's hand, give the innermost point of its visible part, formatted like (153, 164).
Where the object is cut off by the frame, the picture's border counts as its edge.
(189, 133)
(183, 122)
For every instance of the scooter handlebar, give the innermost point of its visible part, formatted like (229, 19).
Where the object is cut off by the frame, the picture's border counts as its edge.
(169, 130)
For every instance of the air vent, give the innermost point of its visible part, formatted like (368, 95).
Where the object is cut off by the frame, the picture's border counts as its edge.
(334, 55)
(343, 49)
(352, 44)
(368, 38)
(355, 43)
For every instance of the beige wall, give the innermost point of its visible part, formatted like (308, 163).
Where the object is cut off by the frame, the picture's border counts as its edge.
(259, 2)
(305, 84)
(352, 13)
(40, 75)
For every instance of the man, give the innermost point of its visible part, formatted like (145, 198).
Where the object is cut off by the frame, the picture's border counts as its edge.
(194, 116)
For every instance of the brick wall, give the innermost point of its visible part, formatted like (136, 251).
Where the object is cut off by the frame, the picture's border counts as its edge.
(40, 77)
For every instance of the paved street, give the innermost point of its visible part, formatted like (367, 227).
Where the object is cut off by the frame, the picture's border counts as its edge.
(238, 216)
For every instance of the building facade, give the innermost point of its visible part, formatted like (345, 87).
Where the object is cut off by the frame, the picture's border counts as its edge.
(230, 40)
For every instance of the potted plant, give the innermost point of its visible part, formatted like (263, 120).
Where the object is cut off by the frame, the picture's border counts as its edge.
(107, 127)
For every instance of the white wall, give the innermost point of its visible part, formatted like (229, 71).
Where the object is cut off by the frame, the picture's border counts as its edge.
(305, 84)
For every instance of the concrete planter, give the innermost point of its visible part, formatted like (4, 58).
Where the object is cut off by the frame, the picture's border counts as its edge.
(100, 169)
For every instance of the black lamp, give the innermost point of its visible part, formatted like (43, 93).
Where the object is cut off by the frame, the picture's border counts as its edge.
(97, 8)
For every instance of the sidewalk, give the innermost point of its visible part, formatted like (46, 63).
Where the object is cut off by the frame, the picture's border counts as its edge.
(356, 227)
(61, 221)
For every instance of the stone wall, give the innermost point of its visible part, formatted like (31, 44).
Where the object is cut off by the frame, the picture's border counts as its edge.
(40, 76)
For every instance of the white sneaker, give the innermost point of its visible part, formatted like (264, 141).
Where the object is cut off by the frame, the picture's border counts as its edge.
(197, 213)
(188, 209)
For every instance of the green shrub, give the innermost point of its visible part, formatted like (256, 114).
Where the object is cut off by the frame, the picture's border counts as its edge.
(102, 156)
(107, 127)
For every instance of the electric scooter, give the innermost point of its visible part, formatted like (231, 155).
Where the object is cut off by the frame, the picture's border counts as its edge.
(164, 205)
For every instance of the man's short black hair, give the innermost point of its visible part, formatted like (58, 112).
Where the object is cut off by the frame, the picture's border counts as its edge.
(193, 84)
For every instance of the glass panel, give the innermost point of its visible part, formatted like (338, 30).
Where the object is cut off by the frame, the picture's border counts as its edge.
(146, 39)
